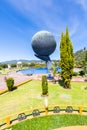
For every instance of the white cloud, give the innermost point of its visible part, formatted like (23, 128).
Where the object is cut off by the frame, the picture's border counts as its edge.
(46, 15)
(83, 3)
(74, 27)
(43, 13)
(35, 7)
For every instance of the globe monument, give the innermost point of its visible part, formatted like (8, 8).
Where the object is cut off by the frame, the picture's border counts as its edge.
(44, 44)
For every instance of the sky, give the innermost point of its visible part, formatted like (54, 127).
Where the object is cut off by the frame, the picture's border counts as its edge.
(21, 19)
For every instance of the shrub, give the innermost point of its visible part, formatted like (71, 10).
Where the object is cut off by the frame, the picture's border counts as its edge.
(4, 66)
(75, 74)
(13, 65)
(10, 83)
(85, 88)
(44, 85)
(81, 73)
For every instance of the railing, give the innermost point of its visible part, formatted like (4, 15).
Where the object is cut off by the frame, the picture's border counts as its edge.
(29, 114)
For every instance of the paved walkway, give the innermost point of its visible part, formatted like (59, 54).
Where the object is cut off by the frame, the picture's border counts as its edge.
(2, 83)
(19, 78)
(73, 128)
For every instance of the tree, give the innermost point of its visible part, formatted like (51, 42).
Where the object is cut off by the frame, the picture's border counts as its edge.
(25, 64)
(13, 65)
(4, 66)
(32, 65)
(66, 59)
(10, 83)
(84, 48)
(86, 63)
(54, 68)
(81, 73)
(44, 85)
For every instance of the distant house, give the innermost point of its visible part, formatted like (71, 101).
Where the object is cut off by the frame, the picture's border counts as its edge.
(19, 64)
(77, 69)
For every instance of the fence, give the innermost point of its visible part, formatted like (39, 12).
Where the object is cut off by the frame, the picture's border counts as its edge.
(29, 114)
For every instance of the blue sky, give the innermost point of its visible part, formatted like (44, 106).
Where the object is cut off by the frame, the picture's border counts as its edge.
(21, 19)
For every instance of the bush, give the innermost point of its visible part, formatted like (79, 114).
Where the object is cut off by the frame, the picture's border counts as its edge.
(0, 68)
(85, 88)
(13, 65)
(10, 83)
(81, 73)
(4, 66)
(75, 74)
(44, 85)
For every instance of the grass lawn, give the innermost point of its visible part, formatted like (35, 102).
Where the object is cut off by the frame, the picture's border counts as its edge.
(28, 96)
(5, 71)
(51, 122)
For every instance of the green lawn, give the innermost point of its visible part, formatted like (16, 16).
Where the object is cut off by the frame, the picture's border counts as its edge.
(51, 122)
(28, 96)
(6, 70)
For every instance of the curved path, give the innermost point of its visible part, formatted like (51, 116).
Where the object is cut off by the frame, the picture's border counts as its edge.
(73, 128)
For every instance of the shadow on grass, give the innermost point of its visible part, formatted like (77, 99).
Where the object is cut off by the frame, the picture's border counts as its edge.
(14, 88)
(60, 82)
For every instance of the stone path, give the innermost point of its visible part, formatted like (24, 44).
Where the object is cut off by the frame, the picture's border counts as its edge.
(19, 78)
(2, 83)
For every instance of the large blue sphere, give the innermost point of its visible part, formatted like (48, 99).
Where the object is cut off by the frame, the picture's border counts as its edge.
(43, 43)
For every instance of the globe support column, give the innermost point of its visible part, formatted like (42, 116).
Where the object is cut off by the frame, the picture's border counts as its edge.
(49, 65)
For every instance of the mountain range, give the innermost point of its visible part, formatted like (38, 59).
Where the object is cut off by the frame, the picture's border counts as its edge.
(79, 57)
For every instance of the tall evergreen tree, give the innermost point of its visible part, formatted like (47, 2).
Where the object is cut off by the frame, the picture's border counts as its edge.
(66, 59)
(85, 63)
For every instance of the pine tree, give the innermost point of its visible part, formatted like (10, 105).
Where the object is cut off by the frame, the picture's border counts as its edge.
(66, 59)
(85, 63)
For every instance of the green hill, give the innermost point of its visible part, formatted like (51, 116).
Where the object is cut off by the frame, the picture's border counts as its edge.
(80, 57)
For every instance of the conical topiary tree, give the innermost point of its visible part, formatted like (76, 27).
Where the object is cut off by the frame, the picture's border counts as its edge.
(44, 85)
(66, 59)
